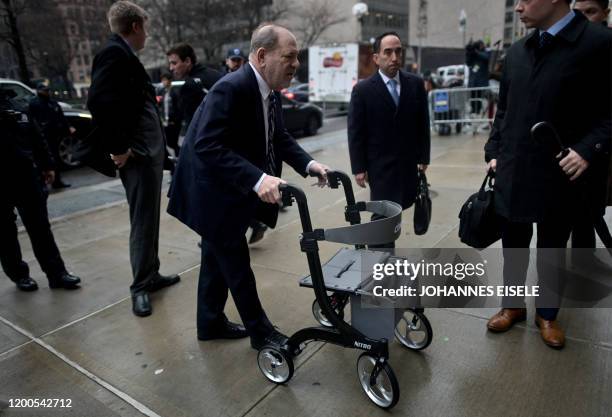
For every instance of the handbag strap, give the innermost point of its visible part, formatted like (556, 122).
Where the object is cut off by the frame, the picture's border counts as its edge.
(490, 179)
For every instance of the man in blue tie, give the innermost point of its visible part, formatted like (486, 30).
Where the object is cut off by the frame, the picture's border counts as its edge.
(544, 80)
(388, 127)
(229, 172)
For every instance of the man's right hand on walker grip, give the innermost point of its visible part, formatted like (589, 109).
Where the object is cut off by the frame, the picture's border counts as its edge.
(361, 179)
(268, 190)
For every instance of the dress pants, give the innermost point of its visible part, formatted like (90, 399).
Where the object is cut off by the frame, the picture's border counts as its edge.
(516, 238)
(227, 265)
(29, 196)
(142, 181)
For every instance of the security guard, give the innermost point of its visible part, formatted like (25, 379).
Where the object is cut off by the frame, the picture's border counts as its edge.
(48, 114)
(25, 158)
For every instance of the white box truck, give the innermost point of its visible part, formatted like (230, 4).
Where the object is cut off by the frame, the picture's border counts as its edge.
(334, 69)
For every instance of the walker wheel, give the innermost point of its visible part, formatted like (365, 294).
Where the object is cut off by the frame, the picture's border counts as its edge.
(378, 381)
(414, 330)
(275, 364)
(317, 312)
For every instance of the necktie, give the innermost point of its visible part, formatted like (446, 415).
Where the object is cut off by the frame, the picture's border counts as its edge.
(270, 159)
(546, 39)
(393, 90)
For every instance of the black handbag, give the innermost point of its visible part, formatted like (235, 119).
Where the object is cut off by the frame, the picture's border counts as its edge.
(479, 225)
(422, 206)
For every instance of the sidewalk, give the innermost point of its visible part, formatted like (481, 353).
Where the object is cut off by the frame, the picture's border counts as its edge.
(88, 347)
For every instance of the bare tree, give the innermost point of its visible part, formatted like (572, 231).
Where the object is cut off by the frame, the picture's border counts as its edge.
(207, 25)
(316, 16)
(10, 12)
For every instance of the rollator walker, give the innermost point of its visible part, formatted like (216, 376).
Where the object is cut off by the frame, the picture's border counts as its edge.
(339, 281)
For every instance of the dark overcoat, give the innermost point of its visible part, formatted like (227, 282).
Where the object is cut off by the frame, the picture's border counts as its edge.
(568, 85)
(388, 141)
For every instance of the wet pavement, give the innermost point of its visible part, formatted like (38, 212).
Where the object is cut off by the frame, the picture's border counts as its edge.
(87, 347)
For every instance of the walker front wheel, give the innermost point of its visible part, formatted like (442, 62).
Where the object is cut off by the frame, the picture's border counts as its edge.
(378, 381)
(275, 364)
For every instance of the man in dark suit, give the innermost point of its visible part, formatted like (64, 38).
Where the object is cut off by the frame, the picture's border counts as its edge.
(544, 79)
(123, 106)
(388, 127)
(199, 79)
(229, 172)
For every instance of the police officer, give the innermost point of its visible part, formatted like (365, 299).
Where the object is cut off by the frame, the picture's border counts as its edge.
(50, 117)
(25, 157)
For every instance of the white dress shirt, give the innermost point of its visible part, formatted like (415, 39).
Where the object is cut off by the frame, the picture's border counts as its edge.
(398, 86)
(265, 90)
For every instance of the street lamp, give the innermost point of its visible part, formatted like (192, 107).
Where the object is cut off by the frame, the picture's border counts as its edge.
(360, 10)
(463, 24)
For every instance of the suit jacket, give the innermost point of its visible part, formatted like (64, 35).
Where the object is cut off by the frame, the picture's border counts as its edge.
(119, 88)
(223, 157)
(568, 85)
(388, 141)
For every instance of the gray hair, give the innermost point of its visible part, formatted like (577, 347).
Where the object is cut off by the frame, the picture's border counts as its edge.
(123, 14)
(265, 36)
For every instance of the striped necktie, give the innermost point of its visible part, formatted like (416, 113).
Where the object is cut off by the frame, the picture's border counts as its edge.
(270, 158)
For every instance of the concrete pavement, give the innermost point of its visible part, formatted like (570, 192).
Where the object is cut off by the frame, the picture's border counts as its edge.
(87, 346)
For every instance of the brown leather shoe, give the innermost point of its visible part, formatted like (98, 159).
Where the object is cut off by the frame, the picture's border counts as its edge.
(505, 318)
(551, 332)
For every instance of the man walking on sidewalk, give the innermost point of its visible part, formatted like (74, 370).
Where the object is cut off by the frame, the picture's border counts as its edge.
(388, 127)
(544, 80)
(123, 106)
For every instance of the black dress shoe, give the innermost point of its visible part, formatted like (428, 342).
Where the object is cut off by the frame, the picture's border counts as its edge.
(141, 305)
(66, 281)
(228, 330)
(259, 229)
(26, 284)
(275, 338)
(162, 281)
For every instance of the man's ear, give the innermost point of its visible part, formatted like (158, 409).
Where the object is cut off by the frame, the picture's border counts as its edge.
(260, 55)
(188, 61)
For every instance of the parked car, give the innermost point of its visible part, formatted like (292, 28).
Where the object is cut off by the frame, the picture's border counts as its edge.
(80, 119)
(453, 74)
(301, 117)
(298, 92)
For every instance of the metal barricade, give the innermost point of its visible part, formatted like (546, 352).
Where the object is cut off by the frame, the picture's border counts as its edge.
(459, 109)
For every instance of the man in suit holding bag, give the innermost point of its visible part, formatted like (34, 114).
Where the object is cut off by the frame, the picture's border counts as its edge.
(388, 127)
(543, 80)
(122, 103)
(229, 172)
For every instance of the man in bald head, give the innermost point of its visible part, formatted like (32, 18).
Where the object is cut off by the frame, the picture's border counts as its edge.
(230, 173)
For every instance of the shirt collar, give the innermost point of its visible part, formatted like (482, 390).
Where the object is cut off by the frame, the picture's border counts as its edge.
(263, 85)
(558, 27)
(386, 79)
(128, 44)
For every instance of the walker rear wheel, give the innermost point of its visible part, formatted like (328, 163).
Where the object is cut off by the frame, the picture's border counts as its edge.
(317, 312)
(275, 364)
(378, 381)
(414, 330)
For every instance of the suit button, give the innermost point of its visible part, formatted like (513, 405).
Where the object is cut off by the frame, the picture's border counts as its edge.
(598, 146)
